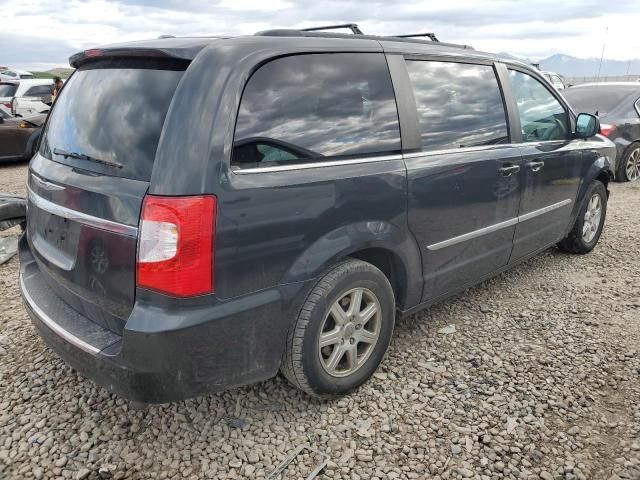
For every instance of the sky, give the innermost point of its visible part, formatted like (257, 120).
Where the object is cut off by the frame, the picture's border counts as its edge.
(41, 34)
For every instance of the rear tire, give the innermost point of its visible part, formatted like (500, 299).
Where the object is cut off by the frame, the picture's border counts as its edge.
(589, 223)
(336, 344)
(628, 169)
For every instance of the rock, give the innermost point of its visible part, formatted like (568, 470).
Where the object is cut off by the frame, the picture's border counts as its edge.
(448, 330)
(512, 422)
(465, 472)
(82, 473)
(253, 457)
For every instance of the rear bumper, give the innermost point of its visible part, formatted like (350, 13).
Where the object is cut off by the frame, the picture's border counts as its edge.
(165, 354)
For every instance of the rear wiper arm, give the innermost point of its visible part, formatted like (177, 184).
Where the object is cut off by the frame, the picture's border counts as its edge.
(82, 156)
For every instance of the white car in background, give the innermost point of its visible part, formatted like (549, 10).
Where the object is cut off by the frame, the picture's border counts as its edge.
(26, 97)
(11, 74)
(555, 79)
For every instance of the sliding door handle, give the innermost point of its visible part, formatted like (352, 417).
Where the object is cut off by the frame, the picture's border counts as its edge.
(507, 171)
(535, 166)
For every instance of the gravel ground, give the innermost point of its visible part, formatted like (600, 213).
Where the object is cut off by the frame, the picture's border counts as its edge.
(541, 379)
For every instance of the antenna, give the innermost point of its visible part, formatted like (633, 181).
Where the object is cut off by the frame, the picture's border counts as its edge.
(604, 43)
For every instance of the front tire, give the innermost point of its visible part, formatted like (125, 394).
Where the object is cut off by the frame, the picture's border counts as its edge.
(589, 223)
(342, 331)
(629, 168)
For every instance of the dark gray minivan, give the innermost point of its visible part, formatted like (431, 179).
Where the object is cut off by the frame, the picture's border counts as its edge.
(204, 212)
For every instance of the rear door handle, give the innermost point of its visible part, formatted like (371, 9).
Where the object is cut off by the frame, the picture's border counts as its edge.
(507, 171)
(535, 166)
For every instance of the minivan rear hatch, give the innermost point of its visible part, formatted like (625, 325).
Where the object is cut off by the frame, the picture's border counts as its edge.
(87, 183)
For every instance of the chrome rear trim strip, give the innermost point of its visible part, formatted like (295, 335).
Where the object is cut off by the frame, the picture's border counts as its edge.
(474, 234)
(542, 211)
(498, 226)
(305, 166)
(81, 217)
(44, 318)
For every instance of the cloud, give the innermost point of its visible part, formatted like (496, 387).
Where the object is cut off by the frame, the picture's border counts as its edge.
(534, 29)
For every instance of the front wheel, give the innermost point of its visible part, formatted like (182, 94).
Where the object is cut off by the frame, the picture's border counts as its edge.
(629, 167)
(342, 331)
(589, 223)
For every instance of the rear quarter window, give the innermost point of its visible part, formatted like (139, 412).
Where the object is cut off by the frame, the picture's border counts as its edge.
(38, 91)
(313, 107)
(8, 89)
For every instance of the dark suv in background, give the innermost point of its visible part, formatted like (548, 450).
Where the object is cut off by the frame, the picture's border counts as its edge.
(205, 212)
(617, 106)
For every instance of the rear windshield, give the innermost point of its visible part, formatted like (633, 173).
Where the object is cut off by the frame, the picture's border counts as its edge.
(8, 89)
(109, 116)
(596, 99)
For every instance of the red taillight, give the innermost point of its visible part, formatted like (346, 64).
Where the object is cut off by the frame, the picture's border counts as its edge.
(176, 245)
(7, 105)
(607, 129)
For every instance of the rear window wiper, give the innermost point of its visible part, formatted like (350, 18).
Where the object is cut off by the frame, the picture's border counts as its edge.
(82, 156)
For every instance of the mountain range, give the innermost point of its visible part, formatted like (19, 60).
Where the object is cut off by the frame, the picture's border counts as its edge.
(569, 66)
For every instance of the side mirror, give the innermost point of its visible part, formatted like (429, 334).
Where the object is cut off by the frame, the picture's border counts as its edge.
(586, 126)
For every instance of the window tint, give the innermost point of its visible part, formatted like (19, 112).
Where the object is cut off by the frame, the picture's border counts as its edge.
(112, 111)
(39, 91)
(8, 89)
(459, 104)
(599, 99)
(313, 106)
(542, 117)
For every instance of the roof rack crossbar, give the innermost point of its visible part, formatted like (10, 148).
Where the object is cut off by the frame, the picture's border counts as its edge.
(432, 36)
(351, 26)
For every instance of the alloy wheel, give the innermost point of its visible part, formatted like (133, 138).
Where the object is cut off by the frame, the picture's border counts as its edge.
(632, 167)
(592, 218)
(349, 332)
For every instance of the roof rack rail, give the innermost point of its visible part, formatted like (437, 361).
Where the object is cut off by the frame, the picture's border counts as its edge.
(432, 36)
(351, 26)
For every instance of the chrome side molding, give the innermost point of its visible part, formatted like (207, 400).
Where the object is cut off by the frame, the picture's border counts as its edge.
(498, 226)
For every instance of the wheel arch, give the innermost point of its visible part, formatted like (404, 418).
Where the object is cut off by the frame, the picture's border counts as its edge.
(601, 170)
(382, 244)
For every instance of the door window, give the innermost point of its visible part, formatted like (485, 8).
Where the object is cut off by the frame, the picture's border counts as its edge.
(459, 104)
(542, 117)
(309, 107)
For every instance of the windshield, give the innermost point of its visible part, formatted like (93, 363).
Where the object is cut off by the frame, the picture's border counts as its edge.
(8, 89)
(109, 116)
(598, 99)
